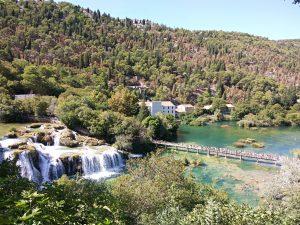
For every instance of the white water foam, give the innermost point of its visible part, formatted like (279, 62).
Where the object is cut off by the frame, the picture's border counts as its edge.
(46, 166)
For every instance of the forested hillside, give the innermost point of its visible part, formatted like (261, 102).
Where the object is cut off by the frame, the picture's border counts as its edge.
(88, 59)
(86, 48)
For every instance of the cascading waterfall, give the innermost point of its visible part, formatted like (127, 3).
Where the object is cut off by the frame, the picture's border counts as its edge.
(108, 161)
(34, 138)
(50, 166)
(47, 163)
(56, 138)
(5, 152)
(111, 159)
(28, 169)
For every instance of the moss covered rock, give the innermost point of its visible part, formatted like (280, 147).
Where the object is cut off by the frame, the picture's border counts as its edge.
(72, 164)
(12, 134)
(68, 139)
(45, 137)
(247, 141)
(58, 126)
(18, 144)
(89, 141)
(239, 144)
(35, 125)
(258, 145)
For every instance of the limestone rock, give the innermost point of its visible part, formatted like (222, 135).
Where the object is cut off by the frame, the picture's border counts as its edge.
(85, 140)
(18, 144)
(68, 139)
(58, 126)
(45, 137)
(35, 125)
(12, 134)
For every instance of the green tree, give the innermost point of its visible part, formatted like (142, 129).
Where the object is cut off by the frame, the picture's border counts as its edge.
(218, 104)
(124, 101)
(150, 184)
(143, 112)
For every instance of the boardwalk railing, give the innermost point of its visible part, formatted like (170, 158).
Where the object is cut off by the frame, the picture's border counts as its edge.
(222, 152)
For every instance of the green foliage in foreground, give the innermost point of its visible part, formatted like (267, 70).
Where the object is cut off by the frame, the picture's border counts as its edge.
(63, 202)
(154, 191)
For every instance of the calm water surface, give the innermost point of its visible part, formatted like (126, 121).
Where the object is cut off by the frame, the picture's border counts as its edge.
(279, 140)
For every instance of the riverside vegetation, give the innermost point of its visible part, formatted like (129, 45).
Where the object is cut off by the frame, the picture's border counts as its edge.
(155, 191)
(80, 63)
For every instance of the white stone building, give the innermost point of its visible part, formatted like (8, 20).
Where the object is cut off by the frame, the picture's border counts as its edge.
(165, 107)
(184, 108)
(25, 96)
(228, 109)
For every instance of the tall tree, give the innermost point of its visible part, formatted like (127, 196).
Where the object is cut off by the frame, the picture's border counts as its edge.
(124, 101)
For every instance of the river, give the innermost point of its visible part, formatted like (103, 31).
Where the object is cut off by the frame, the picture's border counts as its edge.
(278, 140)
(245, 182)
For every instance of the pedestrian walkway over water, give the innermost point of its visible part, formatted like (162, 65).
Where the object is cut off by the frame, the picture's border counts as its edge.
(221, 152)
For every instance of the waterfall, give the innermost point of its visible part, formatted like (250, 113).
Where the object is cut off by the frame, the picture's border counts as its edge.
(34, 138)
(47, 166)
(45, 169)
(5, 152)
(28, 169)
(9, 141)
(51, 167)
(98, 166)
(111, 159)
(48, 163)
(90, 164)
(56, 169)
(56, 138)
(75, 134)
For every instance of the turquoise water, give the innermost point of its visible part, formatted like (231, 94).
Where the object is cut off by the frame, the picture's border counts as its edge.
(243, 185)
(279, 140)
(211, 174)
(238, 179)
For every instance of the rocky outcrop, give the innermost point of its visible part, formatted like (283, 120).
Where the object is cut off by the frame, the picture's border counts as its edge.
(45, 137)
(45, 134)
(12, 134)
(58, 126)
(89, 141)
(72, 164)
(68, 139)
(35, 125)
(18, 144)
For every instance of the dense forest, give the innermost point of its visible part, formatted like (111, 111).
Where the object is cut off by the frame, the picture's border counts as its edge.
(52, 48)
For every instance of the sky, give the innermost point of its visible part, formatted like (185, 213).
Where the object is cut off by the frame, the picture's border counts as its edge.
(274, 19)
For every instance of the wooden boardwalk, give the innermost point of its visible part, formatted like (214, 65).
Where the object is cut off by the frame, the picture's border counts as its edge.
(221, 152)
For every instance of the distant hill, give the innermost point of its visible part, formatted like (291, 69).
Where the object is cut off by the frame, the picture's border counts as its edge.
(85, 48)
